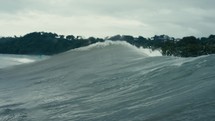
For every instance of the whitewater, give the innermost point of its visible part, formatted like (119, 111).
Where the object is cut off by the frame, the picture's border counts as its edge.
(109, 81)
(10, 60)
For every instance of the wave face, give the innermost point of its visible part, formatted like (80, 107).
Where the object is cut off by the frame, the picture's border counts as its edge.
(111, 81)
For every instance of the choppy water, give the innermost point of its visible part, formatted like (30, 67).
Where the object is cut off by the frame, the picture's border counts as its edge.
(111, 81)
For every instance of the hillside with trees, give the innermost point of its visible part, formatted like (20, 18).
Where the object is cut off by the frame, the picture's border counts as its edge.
(186, 47)
(46, 43)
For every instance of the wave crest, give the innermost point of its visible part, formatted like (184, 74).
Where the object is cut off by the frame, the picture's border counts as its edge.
(100, 45)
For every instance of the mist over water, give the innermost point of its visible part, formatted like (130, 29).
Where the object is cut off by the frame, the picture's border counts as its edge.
(9, 60)
(110, 81)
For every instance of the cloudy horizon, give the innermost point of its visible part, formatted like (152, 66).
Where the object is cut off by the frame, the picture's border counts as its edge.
(102, 18)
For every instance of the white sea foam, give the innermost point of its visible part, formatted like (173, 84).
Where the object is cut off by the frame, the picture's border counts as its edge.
(100, 45)
(7, 60)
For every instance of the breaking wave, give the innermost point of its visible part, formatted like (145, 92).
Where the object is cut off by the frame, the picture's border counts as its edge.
(110, 81)
(100, 45)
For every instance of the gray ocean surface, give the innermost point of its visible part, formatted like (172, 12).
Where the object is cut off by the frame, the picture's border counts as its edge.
(110, 81)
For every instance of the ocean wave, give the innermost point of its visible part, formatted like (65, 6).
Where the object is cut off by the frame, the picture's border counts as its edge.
(100, 45)
(109, 82)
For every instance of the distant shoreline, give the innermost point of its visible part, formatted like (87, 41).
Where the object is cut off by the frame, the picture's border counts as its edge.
(47, 43)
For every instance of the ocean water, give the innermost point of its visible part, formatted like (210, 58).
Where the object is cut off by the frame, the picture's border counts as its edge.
(110, 81)
(9, 60)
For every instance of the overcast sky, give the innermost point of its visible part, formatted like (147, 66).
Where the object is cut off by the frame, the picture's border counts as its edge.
(102, 18)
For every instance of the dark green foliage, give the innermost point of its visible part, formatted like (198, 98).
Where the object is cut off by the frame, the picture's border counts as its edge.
(42, 43)
(115, 38)
(70, 37)
(51, 43)
(185, 47)
(190, 47)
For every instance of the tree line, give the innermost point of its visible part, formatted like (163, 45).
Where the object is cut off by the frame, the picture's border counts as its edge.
(43, 43)
(47, 43)
(185, 47)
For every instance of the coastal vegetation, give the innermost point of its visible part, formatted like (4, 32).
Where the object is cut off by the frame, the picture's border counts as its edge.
(47, 43)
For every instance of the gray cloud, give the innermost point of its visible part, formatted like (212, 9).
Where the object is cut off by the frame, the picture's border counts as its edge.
(108, 17)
